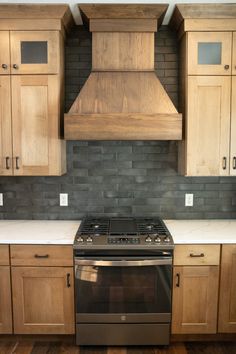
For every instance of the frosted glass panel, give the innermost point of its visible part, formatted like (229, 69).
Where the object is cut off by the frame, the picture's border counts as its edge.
(209, 53)
(34, 52)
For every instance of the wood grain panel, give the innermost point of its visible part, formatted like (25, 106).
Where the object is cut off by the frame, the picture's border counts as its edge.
(123, 25)
(4, 52)
(5, 127)
(195, 297)
(233, 129)
(30, 24)
(211, 255)
(41, 255)
(234, 54)
(227, 303)
(123, 51)
(4, 255)
(42, 301)
(5, 300)
(208, 25)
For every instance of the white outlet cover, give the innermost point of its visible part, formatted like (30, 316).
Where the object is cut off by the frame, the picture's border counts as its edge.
(1, 199)
(63, 199)
(189, 199)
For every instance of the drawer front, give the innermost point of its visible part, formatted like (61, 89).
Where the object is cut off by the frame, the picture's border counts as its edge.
(41, 255)
(197, 255)
(4, 255)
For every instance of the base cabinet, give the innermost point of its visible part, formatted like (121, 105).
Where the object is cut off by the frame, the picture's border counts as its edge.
(5, 301)
(43, 300)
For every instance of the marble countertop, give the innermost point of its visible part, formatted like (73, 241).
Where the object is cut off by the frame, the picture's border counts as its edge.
(58, 232)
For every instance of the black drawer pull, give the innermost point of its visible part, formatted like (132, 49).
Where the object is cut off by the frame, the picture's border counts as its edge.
(41, 256)
(7, 163)
(178, 280)
(68, 280)
(17, 162)
(224, 163)
(234, 163)
(197, 255)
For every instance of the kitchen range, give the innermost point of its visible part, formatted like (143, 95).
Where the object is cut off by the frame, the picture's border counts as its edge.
(123, 281)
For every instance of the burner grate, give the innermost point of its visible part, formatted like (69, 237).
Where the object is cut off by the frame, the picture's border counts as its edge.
(94, 226)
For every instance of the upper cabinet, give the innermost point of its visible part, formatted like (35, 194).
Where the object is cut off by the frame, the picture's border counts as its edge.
(31, 89)
(207, 35)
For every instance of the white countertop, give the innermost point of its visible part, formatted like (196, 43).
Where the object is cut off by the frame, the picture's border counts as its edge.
(63, 232)
(202, 231)
(54, 232)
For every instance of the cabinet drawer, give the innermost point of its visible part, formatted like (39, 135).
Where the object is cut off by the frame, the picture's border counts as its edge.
(197, 255)
(4, 255)
(40, 255)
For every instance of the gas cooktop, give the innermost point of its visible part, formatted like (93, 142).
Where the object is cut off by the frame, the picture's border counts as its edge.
(125, 232)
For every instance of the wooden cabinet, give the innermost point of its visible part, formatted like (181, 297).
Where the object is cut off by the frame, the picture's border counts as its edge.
(4, 52)
(227, 301)
(233, 127)
(195, 289)
(5, 292)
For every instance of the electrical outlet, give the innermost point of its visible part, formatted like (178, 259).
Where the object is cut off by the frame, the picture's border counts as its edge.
(1, 199)
(63, 199)
(189, 200)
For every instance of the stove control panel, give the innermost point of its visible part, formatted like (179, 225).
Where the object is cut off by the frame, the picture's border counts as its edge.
(123, 240)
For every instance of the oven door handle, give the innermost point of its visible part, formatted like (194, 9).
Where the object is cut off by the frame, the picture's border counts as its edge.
(124, 263)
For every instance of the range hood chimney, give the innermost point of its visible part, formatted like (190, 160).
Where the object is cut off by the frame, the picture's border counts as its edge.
(123, 99)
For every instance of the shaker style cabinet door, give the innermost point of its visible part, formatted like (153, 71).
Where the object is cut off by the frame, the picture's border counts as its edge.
(5, 300)
(227, 303)
(195, 298)
(35, 52)
(209, 53)
(5, 127)
(43, 300)
(233, 129)
(208, 126)
(4, 52)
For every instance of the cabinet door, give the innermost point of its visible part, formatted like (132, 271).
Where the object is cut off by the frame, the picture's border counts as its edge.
(34, 52)
(227, 303)
(35, 125)
(233, 129)
(5, 300)
(209, 53)
(208, 125)
(5, 127)
(43, 300)
(4, 52)
(195, 296)
(234, 54)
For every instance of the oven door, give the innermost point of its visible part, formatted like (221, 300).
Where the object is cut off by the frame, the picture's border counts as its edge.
(118, 290)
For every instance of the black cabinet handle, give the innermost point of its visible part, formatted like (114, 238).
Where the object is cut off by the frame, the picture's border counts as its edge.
(15, 66)
(224, 163)
(226, 67)
(68, 280)
(7, 163)
(4, 66)
(178, 280)
(17, 162)
(197, 255)
(41, 256)
(234, 163)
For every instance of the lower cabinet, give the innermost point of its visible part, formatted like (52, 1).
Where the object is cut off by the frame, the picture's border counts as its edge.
(227, 303)
(5, 300)
(43, 300)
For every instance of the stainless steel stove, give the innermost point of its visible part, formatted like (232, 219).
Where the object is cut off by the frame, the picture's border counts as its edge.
(123, 281)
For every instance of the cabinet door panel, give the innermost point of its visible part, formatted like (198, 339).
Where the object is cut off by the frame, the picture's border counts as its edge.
(4, 52)
(42, 301)
(35, 124)
(208, 125)
(233, 129)
(227, 303)
(35, 52)
(5, 301)
(209, 53)
(5, 127)
(234, 54)
(195, 298)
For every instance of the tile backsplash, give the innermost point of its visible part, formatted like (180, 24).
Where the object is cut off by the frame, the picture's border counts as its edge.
(119, 178)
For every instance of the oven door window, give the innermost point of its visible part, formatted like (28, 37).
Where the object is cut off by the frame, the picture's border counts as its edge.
(104, 290)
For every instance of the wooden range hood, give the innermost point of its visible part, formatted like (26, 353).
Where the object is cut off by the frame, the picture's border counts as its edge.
(123, 99)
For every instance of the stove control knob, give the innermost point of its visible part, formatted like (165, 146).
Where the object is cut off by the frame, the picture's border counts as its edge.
(148, 239)
(89, 239)
(80, 239)
(157, 239)
(167, 239)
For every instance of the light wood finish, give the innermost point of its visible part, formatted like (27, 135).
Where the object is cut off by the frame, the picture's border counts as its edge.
(194, 38)
(52, 39)
(42, 301)
(30, 25)
(41, 255)
(206, 25)
(195, 299)
(208, 134)
(123, 25)
(5, 127)
(233, 129)
(123, 51)
(35, 124)
(197, 255)
(4, 255)
(4, 52)
(227, 303)
(234, 54)
(5, 300)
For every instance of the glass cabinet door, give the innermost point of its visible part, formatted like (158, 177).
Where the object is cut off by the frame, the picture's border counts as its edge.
(209, 53)
(234, 54)
(35, 52)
